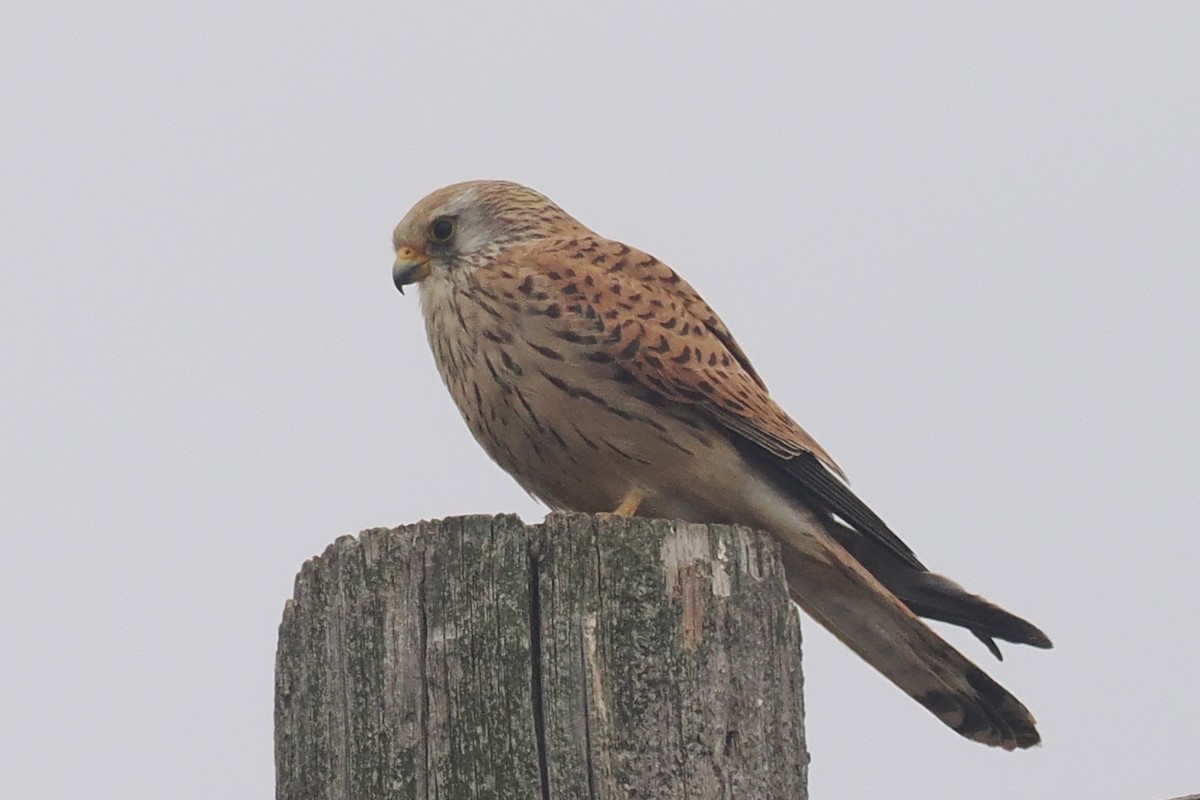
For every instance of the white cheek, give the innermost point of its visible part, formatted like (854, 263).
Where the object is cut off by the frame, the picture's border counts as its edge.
(472, 239)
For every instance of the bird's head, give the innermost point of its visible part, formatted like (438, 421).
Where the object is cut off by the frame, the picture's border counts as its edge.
(456, 230)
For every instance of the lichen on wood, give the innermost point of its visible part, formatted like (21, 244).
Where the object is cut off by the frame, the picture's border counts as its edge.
(586, 657)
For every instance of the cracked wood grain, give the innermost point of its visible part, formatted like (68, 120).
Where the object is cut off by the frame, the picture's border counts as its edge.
(587, 657)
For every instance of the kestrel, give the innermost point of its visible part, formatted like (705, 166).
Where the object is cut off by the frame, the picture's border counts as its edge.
(602, 382)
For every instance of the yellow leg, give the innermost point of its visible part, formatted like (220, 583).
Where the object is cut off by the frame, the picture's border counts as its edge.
(629, 505)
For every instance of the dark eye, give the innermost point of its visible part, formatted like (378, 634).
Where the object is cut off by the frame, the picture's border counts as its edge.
(442, 229)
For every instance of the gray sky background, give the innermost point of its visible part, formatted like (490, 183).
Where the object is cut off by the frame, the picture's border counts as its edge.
(960, 242)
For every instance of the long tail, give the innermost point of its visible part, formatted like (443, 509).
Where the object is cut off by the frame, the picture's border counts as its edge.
(809, 481)
(843, 596)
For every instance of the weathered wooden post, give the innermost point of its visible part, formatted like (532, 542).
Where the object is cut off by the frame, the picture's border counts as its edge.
(587, 657)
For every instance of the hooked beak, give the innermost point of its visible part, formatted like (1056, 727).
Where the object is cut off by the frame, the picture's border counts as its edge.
(412, 266)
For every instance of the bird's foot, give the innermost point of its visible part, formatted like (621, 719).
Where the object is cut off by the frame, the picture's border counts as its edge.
(630, 504)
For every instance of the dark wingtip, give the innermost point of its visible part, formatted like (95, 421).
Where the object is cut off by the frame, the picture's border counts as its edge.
(936, 597)
(990, 644)
(1018, 634)
(1021, 632)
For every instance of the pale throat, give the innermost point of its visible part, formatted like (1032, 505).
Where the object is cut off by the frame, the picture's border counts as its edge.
(454, 326)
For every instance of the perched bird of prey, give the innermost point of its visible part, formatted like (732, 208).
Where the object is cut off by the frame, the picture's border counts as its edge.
(601, 381)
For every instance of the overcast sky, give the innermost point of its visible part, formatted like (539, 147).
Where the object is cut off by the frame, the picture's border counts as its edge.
(960, 241)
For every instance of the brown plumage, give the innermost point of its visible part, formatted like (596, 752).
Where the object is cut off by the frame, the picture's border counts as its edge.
(601, 381)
